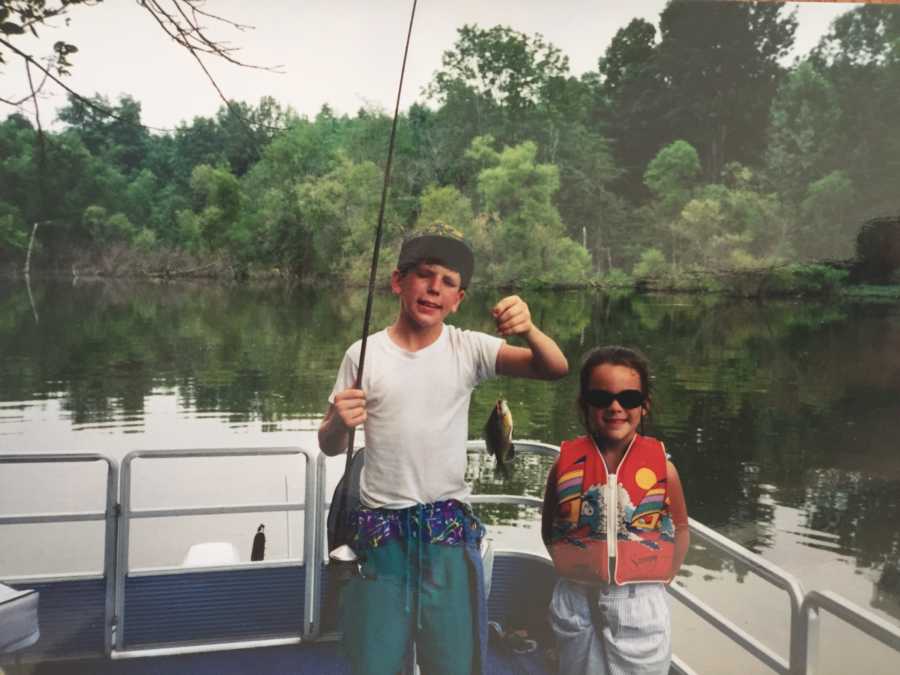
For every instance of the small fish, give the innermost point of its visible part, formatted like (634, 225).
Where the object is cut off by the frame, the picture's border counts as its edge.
(498, 438)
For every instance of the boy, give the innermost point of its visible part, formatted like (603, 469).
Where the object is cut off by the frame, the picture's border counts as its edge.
(417, 538)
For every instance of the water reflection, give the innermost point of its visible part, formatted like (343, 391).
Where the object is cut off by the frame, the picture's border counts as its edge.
(781, 416)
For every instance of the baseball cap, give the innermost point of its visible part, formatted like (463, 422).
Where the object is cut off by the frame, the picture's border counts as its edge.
(441, 243)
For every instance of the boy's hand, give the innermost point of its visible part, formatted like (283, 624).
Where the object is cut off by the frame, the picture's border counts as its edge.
(512, 316)
(350, 406)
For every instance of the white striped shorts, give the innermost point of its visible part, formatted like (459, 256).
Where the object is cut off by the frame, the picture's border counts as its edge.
(612, 630)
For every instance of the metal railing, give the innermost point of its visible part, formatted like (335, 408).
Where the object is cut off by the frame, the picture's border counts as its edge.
(127, 513)
(863, 620)
(767, 571)
(108, 515)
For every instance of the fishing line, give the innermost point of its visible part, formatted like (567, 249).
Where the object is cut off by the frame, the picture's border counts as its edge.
(374, 269)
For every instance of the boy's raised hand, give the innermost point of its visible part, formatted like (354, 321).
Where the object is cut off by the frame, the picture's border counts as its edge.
(350, 406)
(512, 316)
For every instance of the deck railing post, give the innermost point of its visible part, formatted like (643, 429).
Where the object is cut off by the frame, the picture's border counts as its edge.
(310, 547)
(110, 539)
(809, 628)
(122, 544)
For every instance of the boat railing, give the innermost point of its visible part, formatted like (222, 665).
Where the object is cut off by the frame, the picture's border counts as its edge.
(123, 590)
(797, 657)
(215, 607)
(861, 619)
(108, 516)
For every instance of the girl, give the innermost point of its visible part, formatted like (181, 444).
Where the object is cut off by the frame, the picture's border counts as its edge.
(616, 526)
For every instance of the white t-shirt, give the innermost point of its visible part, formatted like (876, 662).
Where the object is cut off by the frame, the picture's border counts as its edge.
(418, 414)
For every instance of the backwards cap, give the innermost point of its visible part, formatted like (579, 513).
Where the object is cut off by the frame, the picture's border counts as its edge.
(441, 243)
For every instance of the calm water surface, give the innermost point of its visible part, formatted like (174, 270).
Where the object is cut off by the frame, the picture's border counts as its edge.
(782, 417)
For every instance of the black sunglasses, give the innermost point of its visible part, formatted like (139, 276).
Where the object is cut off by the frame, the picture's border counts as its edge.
(628, 398)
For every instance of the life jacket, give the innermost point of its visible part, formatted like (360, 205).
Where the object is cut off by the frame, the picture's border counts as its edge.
(643, 530)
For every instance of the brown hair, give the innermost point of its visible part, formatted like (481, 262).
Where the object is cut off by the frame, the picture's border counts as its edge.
(617, 356)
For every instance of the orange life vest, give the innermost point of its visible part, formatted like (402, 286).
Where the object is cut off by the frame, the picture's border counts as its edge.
(643, 529)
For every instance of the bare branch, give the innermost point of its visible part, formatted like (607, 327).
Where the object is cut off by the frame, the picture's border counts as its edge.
(88, 102)
(188, 32)
(14, 104)
(183, 23)
(195, 9)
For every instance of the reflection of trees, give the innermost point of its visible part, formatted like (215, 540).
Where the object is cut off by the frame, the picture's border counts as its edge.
(104, 347)
(862, 512)
(528, 475)
(886, 592)
(507, 514)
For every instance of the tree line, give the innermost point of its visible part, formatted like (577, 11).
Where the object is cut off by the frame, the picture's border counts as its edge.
(686, 149)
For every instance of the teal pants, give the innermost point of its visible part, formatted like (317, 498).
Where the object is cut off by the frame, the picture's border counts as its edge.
(408, 592)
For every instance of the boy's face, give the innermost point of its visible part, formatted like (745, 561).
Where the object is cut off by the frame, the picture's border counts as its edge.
(428, 293)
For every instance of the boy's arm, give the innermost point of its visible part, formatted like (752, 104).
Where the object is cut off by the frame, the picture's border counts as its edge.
(541, 360)
(678, 511)
(347, 412)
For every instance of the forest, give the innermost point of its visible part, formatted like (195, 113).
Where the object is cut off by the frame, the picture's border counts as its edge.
(687, 156)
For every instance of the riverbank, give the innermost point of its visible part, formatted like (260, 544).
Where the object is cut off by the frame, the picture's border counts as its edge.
(776, 281)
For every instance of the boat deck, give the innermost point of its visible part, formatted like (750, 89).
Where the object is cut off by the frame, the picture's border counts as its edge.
(322, 658)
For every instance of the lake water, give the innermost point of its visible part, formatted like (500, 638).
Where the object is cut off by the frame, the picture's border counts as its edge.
(783, 418)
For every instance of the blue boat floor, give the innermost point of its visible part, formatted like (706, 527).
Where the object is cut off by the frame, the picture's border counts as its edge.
(320, 658)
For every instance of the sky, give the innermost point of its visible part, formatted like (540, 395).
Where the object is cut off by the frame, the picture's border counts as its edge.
(346, 53)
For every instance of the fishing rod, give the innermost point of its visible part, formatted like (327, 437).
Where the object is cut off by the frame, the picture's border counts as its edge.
(374, 268)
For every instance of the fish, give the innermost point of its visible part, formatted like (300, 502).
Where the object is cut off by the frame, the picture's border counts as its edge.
(498, 438)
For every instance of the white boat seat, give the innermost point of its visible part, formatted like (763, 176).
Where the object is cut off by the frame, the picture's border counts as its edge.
(18, 619)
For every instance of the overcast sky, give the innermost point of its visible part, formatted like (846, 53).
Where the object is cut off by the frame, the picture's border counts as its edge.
(346, 53)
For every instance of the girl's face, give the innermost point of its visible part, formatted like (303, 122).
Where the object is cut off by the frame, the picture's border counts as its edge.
(614, 424)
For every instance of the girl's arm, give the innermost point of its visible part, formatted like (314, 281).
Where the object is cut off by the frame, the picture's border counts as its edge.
(678, 511)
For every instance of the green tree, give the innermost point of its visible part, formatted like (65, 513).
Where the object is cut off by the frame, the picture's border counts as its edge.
(627, 56)
(627, 88)
(448, 205)
(116, 136)
(500, 65)
(271, 209)
(494, 81)
(526, 236)
(339, 209)
(13, 233)
(19, 187)
(218, 204)
(672, 177)
(803, 130)
(828, 227)
(245, 130)
(730, 224)
(108, 228)
(717, 83)
(194, 144)
(861, 59)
